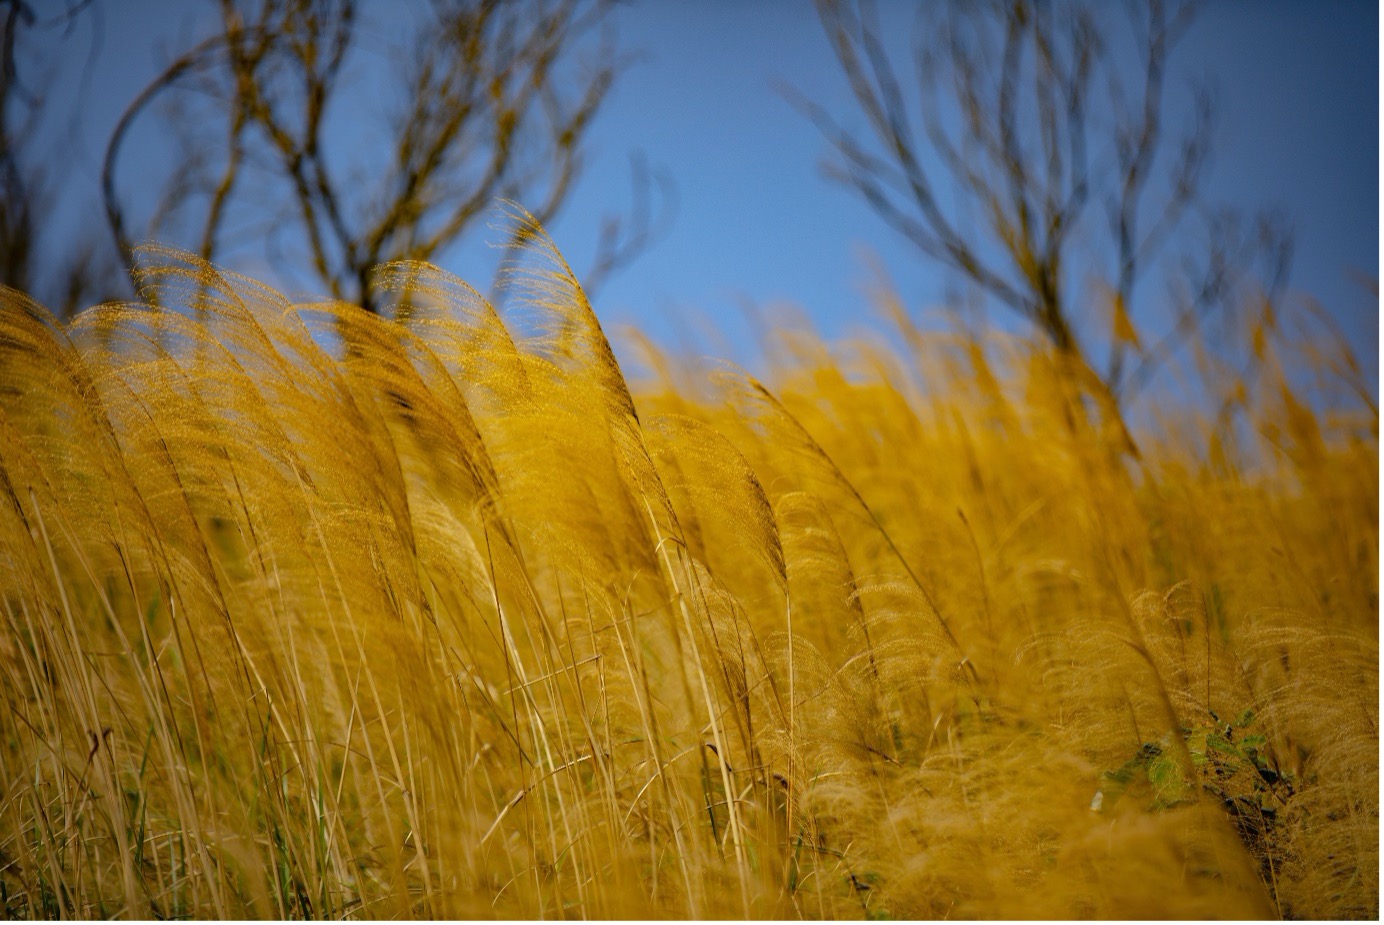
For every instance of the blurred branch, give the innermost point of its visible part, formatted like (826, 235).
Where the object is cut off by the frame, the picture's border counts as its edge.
(624, 238)
(17, 185)
(196, 57)
(1011, 127)
(495, 109)
(27, 173)
(1229, 256)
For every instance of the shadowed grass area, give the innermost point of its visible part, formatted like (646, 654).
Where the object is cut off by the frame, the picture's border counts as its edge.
(308, 612)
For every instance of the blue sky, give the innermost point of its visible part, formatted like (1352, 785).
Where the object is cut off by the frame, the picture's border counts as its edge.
(758, 223)
(1298, 129)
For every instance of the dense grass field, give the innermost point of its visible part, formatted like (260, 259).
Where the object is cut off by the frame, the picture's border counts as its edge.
(307, 612)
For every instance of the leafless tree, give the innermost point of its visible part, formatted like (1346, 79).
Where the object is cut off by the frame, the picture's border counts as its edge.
(33, 39)
(1036, 151)
(492, 103)
(17, 107)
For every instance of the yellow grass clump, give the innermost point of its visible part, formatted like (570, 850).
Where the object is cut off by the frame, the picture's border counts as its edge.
(309, 612)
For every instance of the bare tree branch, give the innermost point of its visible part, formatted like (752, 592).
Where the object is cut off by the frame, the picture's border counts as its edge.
(32, 38)
(1011, 128)
(498, 106)
(623, 238)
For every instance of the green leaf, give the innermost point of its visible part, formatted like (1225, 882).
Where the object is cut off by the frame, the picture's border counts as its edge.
(1224, 746)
